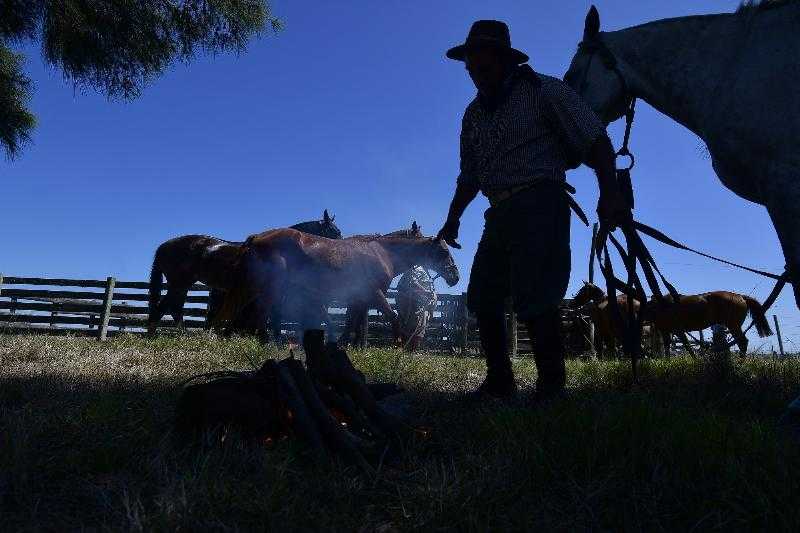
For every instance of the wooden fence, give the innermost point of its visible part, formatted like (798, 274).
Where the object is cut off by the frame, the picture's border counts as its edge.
(104, 308)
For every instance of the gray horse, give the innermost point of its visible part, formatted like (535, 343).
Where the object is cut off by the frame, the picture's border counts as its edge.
(730, 78)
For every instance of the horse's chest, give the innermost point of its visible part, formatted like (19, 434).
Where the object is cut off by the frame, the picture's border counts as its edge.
(736, 176)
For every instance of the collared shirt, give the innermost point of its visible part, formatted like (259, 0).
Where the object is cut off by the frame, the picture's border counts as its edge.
(538, 131)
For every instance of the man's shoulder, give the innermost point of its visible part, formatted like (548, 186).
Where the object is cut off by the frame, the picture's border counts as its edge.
(472, 107)
(552, 87)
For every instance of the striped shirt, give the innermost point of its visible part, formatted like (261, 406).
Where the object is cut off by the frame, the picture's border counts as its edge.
(540, 130)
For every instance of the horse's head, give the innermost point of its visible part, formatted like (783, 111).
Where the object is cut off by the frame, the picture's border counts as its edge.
(439, 260)
(595, 73)
(321, 228)
(327, 227)
(588, 293)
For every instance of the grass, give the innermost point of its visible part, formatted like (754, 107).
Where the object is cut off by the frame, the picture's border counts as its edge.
(86, 443)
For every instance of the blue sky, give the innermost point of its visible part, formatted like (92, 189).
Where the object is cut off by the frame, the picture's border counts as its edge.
(353, 108)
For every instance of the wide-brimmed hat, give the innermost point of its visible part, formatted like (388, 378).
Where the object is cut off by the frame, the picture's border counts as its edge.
(487, 33)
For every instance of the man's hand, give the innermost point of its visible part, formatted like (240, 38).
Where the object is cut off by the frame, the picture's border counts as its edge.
(449, 232)
(612, 208)
(464, 194)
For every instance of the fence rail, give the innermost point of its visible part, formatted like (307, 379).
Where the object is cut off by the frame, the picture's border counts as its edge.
(65, 306)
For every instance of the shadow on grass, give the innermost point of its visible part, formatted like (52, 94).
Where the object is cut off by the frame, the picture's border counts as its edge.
(691, 446)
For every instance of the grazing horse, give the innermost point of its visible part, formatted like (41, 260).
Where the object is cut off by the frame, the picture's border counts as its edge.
(730, 78)
(699, 311)
(357, 270)
(190, 258)
(607, 329)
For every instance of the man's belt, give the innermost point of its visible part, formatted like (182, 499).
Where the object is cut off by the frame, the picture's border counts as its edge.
(497, 197)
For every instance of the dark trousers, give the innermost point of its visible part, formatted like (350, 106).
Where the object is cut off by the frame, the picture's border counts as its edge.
(548, 351)
(523, 253)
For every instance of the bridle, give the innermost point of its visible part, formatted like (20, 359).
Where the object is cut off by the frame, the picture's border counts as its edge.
(596, 47)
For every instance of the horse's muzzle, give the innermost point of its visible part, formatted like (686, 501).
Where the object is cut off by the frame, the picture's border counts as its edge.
(451, 276)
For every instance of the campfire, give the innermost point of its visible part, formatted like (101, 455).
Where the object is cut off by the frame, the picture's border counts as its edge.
(326, 403)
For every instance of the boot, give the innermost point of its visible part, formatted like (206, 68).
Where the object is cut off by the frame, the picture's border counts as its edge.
(549, 356)
(499, 382)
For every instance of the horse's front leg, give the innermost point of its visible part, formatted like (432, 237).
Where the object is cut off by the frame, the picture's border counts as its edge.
(783, 205)
(388, 313)
(354, 323)
(666, 338)
(268, 278)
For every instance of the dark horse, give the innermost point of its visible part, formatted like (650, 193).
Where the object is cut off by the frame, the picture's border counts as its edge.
(191, 258)
(608, 330)
(357, 270)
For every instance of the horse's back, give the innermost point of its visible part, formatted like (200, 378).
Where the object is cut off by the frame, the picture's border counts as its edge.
(699, 311)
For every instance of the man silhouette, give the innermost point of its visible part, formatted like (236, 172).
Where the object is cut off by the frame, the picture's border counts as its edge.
(519, 136)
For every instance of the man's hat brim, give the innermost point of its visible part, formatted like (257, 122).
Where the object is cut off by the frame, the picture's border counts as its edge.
(459, 53)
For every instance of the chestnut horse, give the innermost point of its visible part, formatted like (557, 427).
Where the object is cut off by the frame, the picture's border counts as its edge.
(699, 311)
(357, 311)
(190, 258)
(357, 270)
(607, 330)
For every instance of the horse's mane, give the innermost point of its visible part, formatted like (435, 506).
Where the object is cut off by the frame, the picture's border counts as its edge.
(319, 228)
(748, 6)
(400, 234)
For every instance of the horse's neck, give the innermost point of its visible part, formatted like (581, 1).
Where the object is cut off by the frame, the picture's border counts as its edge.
(599, 297)
(402, 253)
(678, 65)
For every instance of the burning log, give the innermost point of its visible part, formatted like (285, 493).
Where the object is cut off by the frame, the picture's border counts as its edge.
(326, 404)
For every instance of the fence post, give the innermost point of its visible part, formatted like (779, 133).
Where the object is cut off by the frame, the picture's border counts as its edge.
(511, 328)
(464, 318)
(778, 334)
(108, 297)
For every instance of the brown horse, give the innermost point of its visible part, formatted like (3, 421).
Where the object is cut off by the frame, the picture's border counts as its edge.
(699, 311)
(183, 261)
(190, 258)
(357, 270)
(357, 311)
(607, 330)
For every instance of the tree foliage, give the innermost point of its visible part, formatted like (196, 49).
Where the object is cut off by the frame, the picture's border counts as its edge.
(114, 46)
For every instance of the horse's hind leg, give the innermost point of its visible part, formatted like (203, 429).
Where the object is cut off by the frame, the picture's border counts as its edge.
(177, 297)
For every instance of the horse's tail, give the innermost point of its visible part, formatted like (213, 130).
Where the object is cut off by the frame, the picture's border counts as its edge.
(759, 316)
(154, 291)
(239, 295)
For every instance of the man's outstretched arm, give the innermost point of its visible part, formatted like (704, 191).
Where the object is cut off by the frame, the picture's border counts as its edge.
(465, 193)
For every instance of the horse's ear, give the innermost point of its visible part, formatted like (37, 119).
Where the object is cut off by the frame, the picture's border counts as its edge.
(326, 217)
(592, 25)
